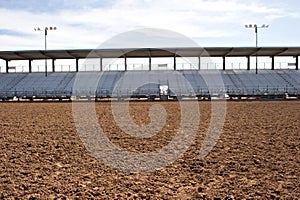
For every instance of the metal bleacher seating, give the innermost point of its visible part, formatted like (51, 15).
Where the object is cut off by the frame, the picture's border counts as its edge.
(36, 84)
(146, 83)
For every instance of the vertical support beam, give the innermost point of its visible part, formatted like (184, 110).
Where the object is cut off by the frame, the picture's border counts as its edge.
(199, 63)
(53, 65)
(256, 59)
(175, 62)
(6, 66)
(248, 62)
(150, 63)
(45, 52)
(125, 59)
(272, 62)
(29, 66)
(297, 62)
(77, 64)
(101, 64)
(224, 63)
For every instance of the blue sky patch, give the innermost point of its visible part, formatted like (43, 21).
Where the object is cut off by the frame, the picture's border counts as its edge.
(12, 32)
(39, 6)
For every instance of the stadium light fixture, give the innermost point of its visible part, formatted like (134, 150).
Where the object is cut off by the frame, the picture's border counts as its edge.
(256, 27)
(45, 29)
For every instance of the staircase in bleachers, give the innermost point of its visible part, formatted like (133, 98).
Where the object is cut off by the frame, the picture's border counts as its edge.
(63, 84)
(291, 77)
(9, 81)
(234, 80)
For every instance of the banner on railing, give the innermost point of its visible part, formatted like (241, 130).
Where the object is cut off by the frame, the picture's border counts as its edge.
(162, 65)
(291, 64)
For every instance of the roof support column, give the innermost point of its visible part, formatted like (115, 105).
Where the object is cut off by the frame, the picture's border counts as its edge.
(53, 65)
(77, 65)
(224, 63)
(199, 62)
(175, 62)
(150, 60)
(297, 62)
(6, 66)
(248, 62)
(101, 64)
(273, 62)
(30, 66)
(125, 60)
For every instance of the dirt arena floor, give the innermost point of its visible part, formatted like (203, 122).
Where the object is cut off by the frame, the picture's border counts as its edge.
(256, 157)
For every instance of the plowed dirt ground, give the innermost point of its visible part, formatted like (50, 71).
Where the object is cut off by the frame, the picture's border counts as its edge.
(256, 157)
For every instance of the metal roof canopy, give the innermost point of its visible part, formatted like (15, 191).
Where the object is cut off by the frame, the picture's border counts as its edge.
(150, 52)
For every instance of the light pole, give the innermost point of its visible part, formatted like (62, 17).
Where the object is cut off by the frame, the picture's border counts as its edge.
(256, 38)
(46, 29)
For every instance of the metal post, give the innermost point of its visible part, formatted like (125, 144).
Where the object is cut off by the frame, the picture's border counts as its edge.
(273, 62)
(224, 63)
(199, 63)
(77, 65)
(248, 62)
(297, 62)
(6, 66)
(30, 66)
(45, 51)
(150, 67)
(175, 62)
(125, 63)
(101, 64)
(256, 45)
(53, 65)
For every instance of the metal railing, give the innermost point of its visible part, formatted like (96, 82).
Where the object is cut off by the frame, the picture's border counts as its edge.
(145, 66)
(128, 92)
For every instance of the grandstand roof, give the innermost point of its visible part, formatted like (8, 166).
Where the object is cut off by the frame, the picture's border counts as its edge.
(150, 52)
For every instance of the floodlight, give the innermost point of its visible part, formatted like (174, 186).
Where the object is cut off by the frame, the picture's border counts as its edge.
(46, 30)
(256, 27)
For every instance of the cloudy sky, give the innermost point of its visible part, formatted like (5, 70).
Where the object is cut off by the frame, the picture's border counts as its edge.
(87, 23)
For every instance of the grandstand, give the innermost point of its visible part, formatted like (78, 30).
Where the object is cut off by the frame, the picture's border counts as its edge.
(148, 84)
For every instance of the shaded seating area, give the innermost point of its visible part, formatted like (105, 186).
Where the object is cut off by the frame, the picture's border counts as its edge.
(120, 84)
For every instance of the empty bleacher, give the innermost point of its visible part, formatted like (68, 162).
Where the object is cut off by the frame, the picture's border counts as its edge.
(146, 83)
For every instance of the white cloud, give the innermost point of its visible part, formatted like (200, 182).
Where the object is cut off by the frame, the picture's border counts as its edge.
(88, 27)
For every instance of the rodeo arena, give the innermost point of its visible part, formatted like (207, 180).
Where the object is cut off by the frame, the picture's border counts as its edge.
(156, 81)
(147, 104)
